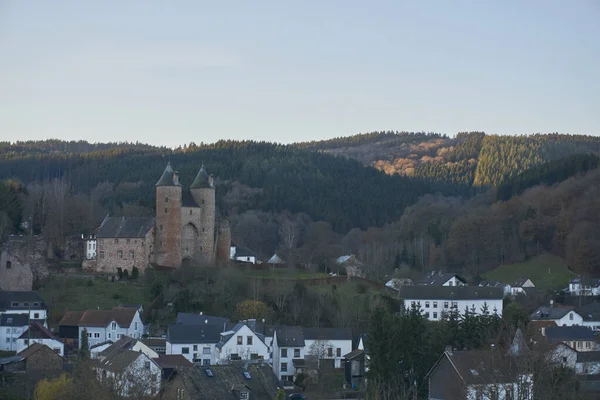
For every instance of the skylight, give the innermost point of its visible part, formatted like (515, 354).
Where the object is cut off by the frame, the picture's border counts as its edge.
(474, 372)
(247, 375)
(209, 373)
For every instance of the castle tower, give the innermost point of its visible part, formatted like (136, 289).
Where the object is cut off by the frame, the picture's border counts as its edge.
(168, 219)
(203, 192)
(223, 240)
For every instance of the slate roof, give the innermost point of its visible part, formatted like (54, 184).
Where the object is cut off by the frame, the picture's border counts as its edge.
(588, 356)
(201, 180)
(439, 278)
(21, 301)
(244, 252)
(262, 384)
(575, 333)
(122, 227)
(290, 336)
(327, 334)
(10, 360)
(432, 292)
(14, 319)
(124, 343)
(197, 319)
(480, 367)
(34, 348)
(37, 331)
(275, 259)
(167, 178)
(187, 200)
(109, 342)
(546, 312)
(354, 354)
(101, 318)
(119, 360)
(71, 318)
(173, 361)
(589, 312)
(184, 334)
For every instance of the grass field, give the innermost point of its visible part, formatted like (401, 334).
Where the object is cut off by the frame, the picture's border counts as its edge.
(546, 271)
(281, 273)
(69, 293)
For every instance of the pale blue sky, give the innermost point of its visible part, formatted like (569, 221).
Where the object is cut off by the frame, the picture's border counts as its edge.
(171, 72)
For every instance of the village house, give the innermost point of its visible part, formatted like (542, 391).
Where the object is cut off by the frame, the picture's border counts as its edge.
(129, 372)
(352, 265)
(197, 343)
(97, 348)
(355, 368)
(590, 313)
(439, 278)
(232, 381)
(184, 318)
(328, 344)
(40, 358)
(11, 328)
(242, 254)
(561, 315)
(28, 302)
(288, 351)
(434, 300)
(126, 343)
(90, 246)
(579, 338)
(102, 325)
(241, 343)
(584, 287)
(38, 333)
(523, 287)
(478, 375)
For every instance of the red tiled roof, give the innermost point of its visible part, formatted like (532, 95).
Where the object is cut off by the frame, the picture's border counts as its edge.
(71, 318)
(172, 361)
(99, 318)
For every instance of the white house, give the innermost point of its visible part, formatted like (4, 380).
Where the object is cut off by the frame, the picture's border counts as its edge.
(197, 343)
(242, 254)
(126, 343)
(99, 348)
(241, 343)
(583, 363)
(90, 247)
(130, 373)
(590, 313)
(439, 278)
(38, 333)
(505, 287)
(562, 316)
(584, 287)
(288, 352)
(395, 283)
(434, 301)
(328, 343)
(275, 259)
(11, 328)
(103, 325)
(521, 286)
(23, 302)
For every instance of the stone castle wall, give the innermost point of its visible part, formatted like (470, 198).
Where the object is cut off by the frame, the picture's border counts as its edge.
(109, 259)
(223, 241)
(205, 198)
(168, 226)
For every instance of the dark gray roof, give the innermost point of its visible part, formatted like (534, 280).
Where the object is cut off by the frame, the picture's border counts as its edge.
(10, 360)
(590, 312)
(21, 301)
(290, 336)
(327, 334)
(563, 333)
(14, 320)
(546, 312)
(187, 200)
(483, 366)
(430, 292)
(167, 178)
(122, 227)
(119, 360)
(244, 252)
(109, 342)
(588, 356)
(197, 319)
(520, 282)
(262, 384)
(439, 278)
(182, 334)
(124, 343)
(202, 180)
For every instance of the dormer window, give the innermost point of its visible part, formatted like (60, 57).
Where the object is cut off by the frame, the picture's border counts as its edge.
(571, 317)
(244, 396)
(8, 265)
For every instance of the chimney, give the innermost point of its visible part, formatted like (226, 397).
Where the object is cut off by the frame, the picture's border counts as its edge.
(551, 303)
(449, 349)
(200, 312)
(211, 180)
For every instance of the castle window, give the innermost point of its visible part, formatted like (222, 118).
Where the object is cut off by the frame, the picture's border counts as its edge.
(161, 227)
(202, 201)
(191, 212)
(203, 229)
(101, 255)
(101, 243)
(120, 254)
(8, 265)
(166, 199)
(166, 210)
(116, 241)
(128, 241)
(131, 253)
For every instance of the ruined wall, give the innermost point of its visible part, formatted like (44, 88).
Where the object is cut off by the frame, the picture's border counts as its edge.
(168, 226)
(15, 273)
(124, 253)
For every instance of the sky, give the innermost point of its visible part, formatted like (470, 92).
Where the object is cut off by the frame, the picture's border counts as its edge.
(175, 72)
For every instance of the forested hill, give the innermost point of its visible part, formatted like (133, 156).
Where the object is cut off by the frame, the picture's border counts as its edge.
(470, 158)
(334, 189)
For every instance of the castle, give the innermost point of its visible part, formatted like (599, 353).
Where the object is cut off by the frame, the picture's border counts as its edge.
(183, 231)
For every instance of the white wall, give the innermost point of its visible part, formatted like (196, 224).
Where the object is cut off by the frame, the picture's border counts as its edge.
(54, 344)
(345, 347)
(9, 336)
(34, 313)
(90, 248)
(244, 350)
(250, 259)
(102, 334)
(570, 319)
(137, 376)
(435, 313)
(177, 348)
(95, 351)
(485, 391)
(454, 282)
(288, 359)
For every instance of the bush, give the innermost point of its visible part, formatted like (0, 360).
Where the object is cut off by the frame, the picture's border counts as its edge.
(135, 273)
(126, 274)
(116, 296)
(89, 283)
(120, 273)
(361, 288)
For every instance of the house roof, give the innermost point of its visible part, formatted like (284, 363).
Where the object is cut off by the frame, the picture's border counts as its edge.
(155, 342)
(120, 359)
(575, 333)
(198, 319)
(71, 318)
(107, 342)
(37, 331)
(353, 354)
(327, 334)
(290, 336)
(438, 278)
(122, 227)
(124, 343)
(167, 177)
(433, 292)
(590, 312)
(172, 361)
(226, 379)
(183, 334)
(275, 259)
(34, 348)
(483, 366)
(520, 282)
(101, 318)
(244, 252)
(588, 356)
(14, 319)
(555, 312)
(10, 360)
(21, 301)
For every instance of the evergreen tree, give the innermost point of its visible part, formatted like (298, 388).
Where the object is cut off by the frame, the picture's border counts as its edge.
(84, 347)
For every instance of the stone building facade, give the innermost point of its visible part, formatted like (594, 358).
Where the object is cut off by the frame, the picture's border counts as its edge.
(22, 262)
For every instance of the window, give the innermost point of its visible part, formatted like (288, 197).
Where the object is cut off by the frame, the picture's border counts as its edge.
(571, 317)
(116, 241)
(180, 394)
(119, 336)
(249, 340)
(426, 304)
(244, 395)
(8, 330)
(120, 254)
(101, 243)
(195, 347)
(89, 334)
(36, 315)
(454, 304)
(579, 345)
(185, 350)
(109, 335)
(283, 367)
(206, 350)
(8, 340)
(128, 241)
(434, 315)
(435, 304)
(338, 352)
(15, 330)
(412, 303)
(96, 335)
(166, 199)
(191, 212)
(131, 254)
(587, 345)
(330, 352)
(8, 265)
(25, 304)
(135, 326)
(283, 353)
(240, 340)
(101, 255)
(206, 361)
(160, 227)
(166, 210)
(202, 201)
(147, 364)
(445, 304)
(427, 315)
(509, 393)
(113, 326)
(296, 353)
